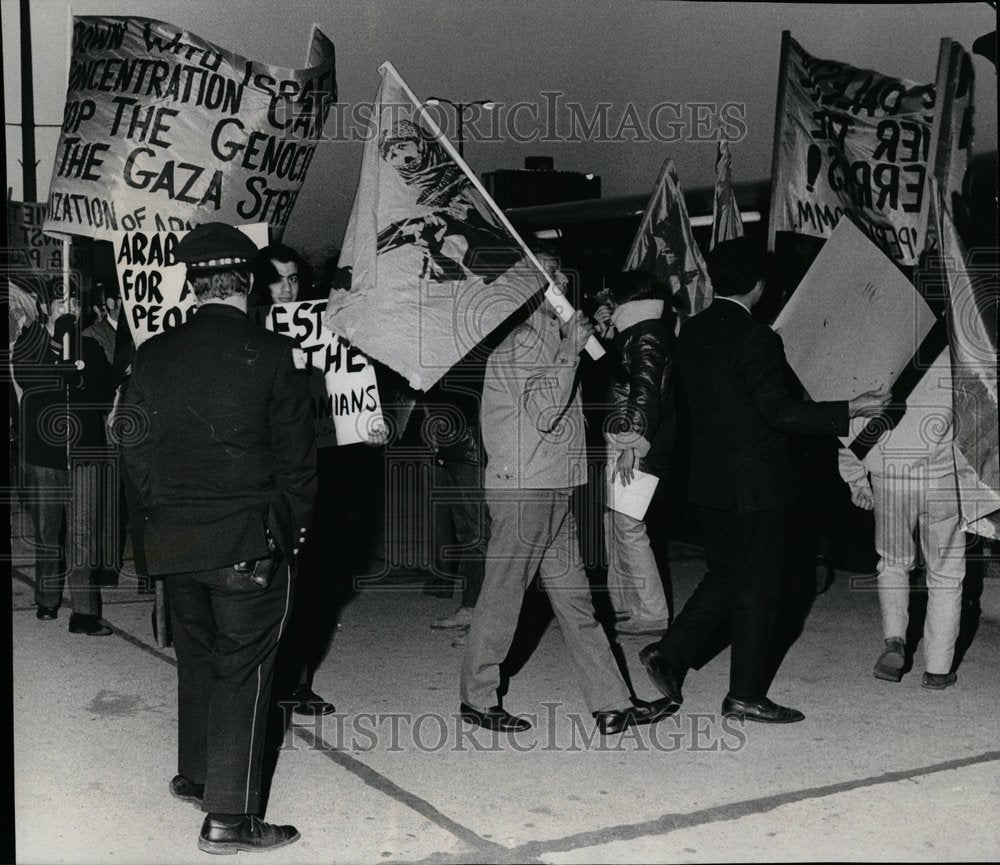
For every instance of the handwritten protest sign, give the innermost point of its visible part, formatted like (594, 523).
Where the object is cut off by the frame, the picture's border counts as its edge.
(350, 396)
(33, 256)
(851, 141)
(163, 130)
(854, 322)
(152, 283)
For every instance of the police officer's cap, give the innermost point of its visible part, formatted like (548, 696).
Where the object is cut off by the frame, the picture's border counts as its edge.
(214, 246)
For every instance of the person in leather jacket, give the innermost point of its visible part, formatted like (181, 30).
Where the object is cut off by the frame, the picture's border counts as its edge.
(639, 432)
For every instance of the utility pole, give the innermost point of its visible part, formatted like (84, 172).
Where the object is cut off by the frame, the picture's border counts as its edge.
(28, 161)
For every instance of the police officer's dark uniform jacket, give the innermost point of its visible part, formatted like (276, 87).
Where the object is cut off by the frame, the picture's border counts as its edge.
(228, 457)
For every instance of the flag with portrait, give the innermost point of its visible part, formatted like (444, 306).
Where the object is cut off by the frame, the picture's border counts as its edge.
(427, 269)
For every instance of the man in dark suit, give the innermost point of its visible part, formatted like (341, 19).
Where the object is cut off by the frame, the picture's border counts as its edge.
(733, 372)
(224, 479)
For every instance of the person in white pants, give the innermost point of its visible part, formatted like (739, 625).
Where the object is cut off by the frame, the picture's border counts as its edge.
(913, 485)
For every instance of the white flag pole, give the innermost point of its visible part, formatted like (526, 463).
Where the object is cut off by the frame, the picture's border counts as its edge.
(552, 292)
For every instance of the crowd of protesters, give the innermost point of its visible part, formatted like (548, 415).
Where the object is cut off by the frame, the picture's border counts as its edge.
(503, 439)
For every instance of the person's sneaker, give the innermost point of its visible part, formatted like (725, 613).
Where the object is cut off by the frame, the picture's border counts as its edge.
(186, 790)
(251, 833)
(938, 681)
(461, 618)
(889, 666)
(89, 625)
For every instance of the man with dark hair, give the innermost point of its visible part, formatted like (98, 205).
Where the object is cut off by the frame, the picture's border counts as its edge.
(732, 369)
(277, 275)
(225, 479)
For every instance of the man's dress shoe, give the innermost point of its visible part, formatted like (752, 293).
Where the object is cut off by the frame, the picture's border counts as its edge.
(186, 790)
(763, 710)
(609, 723)
(308, 702)
(889, 666)
(938, 681)
(89, 625)
(46, 614)
(660, 672)
(251, 833)
(494, 718)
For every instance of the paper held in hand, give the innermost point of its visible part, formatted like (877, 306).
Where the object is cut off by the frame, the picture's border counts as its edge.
(632, 500)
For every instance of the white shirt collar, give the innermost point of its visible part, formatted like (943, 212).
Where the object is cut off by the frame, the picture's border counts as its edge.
(733, 300)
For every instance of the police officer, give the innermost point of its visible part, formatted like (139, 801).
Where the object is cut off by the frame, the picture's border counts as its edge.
(223, 472)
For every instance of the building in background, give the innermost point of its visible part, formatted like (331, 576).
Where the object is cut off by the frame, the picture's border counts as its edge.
(539, 183)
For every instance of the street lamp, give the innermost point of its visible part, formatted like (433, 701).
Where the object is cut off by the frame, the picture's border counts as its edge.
(460, 108)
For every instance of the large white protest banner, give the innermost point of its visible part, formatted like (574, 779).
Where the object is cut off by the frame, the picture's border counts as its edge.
(430, 266)
(854, 322)
(664, 246)
(163, 130)
(154, 293)
(850, 141)
(347, 391)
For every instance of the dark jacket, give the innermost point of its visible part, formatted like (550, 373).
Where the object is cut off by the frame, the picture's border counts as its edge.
(228, 446)
(641, 393)
(733, 371)
(43, 376)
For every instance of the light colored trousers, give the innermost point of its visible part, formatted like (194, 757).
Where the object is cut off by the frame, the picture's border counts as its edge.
(535, 531)
(905, 499)
(634, 586)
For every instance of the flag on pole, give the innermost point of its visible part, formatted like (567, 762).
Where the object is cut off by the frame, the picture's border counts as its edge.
(727, 223)
(665, 247)
(432, 264)
(972, 332)
(850, 141)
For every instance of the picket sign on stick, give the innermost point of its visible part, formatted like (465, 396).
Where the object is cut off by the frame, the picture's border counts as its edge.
(66, 241)
(552, 293)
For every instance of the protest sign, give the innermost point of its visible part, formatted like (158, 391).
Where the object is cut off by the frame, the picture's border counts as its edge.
(854, 322)
(34, 257)
(347, 393)
(154, 293)
(727, 224)
(850, 141)
(429, 265)
(664, 246)
(163, 130)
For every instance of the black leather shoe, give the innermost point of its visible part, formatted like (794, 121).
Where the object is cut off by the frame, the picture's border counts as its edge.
(661, 673)
(495, 718)
(46, 614)
(642, 712)
(307, 702)
(938, 681)
(251, 833)
(763, 710)
(186, 790)
(89, 625)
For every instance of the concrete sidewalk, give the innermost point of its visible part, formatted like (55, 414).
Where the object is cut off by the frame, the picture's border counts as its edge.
(876, 771)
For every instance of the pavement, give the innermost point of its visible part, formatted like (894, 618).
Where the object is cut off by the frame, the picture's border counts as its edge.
(877, 770)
